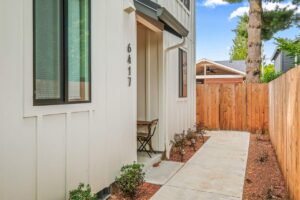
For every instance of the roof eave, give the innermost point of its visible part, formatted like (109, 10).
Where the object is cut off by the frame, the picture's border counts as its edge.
(145, 9)
(159, 13)
(222, 66)
(276, 52)
(164, 15)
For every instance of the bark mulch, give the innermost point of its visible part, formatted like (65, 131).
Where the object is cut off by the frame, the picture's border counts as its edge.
(264, 180)
(146, 191)
(189, 151)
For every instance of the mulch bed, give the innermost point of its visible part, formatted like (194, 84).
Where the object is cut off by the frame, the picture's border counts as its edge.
(189, 151)
(264, 180)
(146, 191)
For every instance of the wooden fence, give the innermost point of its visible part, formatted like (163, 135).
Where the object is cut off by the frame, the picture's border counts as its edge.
(285, 127)
(233, 106)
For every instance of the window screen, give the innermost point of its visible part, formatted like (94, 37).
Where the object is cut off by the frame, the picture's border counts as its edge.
(182, 73)
(61, 51)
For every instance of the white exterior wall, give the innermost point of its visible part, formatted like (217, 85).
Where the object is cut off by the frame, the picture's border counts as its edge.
(180, 112)
(46, 151)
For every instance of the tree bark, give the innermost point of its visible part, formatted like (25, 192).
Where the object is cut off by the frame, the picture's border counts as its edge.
(254, 41)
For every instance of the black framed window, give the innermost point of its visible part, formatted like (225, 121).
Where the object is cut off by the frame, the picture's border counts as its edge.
(182, 73)
(186, 3)
(62, 55)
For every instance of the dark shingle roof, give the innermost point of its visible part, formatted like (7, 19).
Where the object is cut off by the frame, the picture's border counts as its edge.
(234, 64)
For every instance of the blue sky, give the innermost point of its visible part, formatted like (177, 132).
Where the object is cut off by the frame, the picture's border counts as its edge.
(214, 29)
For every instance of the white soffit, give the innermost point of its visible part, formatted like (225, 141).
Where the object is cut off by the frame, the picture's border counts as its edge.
(218, 76)
(221, 66)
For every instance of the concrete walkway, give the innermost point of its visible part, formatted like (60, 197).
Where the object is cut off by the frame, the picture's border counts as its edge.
(215, 172)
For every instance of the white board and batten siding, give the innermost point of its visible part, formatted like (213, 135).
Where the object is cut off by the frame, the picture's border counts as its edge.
(181, 112)
(45, 151)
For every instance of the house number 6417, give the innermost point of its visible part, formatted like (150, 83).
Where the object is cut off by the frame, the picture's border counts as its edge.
(129, 63)
(129, 48)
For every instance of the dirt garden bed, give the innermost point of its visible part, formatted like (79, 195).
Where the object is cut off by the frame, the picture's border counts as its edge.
(189, 151)
(146, 191)
(264, 180)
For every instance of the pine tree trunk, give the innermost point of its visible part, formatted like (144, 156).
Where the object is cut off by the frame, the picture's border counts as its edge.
(254, 41)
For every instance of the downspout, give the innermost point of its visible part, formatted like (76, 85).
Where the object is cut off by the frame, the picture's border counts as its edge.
(180, 44)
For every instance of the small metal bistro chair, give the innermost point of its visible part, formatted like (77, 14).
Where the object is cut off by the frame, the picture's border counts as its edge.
(144, 136)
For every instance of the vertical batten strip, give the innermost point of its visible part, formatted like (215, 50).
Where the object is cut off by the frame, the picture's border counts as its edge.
(67, 135)
(91, 123)
(39, 124)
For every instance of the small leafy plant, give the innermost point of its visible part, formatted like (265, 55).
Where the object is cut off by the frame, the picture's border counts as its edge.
(263, 157)
(179, 144)
(131, 177)
(201, 130)
(271, 194)
(82, 193)
(192, 137)
(262, 135)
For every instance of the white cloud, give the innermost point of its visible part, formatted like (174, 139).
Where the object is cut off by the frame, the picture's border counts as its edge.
(266, 6)
(273, 6)
(239, 12)
(214, 3)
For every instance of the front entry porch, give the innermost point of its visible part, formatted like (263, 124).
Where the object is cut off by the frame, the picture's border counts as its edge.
(149, 85)
(143, 158)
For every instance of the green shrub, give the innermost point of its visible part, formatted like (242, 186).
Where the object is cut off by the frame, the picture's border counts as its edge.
(82, 193)
(132, 176)
(290, 47)
(269, 74)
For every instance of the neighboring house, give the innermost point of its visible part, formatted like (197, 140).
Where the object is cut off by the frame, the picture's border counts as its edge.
(282, 62)
(220, 71)
(75, 81)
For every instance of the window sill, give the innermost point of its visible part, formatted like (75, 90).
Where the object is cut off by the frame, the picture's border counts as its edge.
(35, 111)
(182, 99)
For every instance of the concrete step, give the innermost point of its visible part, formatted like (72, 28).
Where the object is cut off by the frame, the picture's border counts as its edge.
(143, 158)
(162, 173)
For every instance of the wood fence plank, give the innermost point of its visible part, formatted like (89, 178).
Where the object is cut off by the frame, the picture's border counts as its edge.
(233, 109)
(284, 127)
(218, 108)
(215, 107)
(266, 108)
(297, 139)
(254, 108)
(206, 105)
(248, 106)
(233, 106)
(238, 112)
(244, 108)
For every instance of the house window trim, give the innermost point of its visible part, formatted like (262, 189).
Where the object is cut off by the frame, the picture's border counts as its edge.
(182, 98)
(188, 11)
(64, 79)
